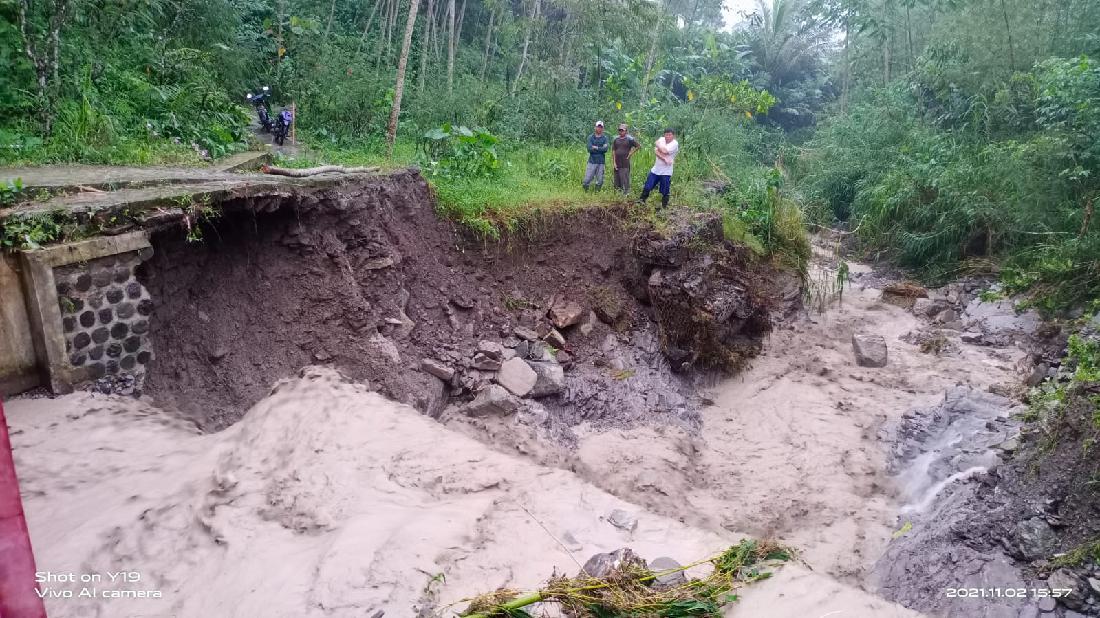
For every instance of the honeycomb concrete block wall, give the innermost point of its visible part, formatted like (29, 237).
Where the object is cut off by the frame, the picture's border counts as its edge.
(88, 313)
(105, 315)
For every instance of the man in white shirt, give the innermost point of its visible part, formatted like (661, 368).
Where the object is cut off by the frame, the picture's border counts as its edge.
(661, 174)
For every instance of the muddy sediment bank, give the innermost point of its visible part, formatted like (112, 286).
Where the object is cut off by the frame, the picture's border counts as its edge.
(367, 278)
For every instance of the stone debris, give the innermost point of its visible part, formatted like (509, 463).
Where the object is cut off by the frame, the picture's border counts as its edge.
(903, 294)
(484, 362)
(540, 352)
(517, 376)
(588, 324)
(1036, 538)
(527, 334)
(491, 400)
(555, 338)
(550, 379)
(440, 370)
(1065, 579)
(565, 313)
(870, 350)
(491, 349)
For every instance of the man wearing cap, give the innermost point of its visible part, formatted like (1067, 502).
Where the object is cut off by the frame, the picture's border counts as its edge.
(661, 174)
(623, 148)
(597, 148)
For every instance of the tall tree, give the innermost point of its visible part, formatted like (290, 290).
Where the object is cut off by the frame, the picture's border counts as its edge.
(399, 83)
(450, 47)
(424, 33)
(526, 43)
(44, 51)
(652, 54)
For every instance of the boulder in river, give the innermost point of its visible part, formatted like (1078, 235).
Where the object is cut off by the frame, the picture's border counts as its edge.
(870, 350)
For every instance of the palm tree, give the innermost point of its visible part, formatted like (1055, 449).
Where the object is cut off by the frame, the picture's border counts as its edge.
(787, 37)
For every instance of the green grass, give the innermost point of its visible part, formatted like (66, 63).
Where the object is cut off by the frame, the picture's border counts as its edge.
(539, 180)
(1080, 555)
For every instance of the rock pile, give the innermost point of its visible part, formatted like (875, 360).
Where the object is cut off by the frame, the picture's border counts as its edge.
(529, 363)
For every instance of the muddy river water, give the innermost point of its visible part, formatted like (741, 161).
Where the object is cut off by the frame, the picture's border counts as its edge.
(329, 500)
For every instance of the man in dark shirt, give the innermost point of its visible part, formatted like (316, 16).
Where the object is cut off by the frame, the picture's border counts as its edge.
(597, 148)
(622, 149)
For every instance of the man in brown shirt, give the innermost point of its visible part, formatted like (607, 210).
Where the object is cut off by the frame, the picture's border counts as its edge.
(622, 149)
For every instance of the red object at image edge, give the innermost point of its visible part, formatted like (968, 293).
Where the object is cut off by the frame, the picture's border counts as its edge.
(18, 595)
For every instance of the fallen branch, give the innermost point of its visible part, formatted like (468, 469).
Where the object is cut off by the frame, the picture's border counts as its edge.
(313, 171)
(629, 590)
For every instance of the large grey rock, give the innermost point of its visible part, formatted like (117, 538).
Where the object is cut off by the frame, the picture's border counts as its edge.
(946, 316)
(382, 345)
(485, 362)
(550, 379)
(491, 400)
(927, 307)
(1047, 604)
(517, 376)
(624, 520)
(870, 350)
(1065, 579)
(1036, 539)
(491, 349)
(565, 313)
(540, 352)
(437, 369)
(602, 565)
(527, 334)
(668, 580)
(555, 338)
(589, 323)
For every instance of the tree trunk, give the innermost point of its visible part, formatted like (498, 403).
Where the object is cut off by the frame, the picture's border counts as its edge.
(366, 28)
(526, 45)
(46, 63)
(437, 25)
(909, 36)
(651, 56)
(399, 85)
(450, 47)
(847, 74)
(1008, 34)
(461, 18)
(488, 45)
(886, 42)
(380, 46)
(424, 49)
(331, 15)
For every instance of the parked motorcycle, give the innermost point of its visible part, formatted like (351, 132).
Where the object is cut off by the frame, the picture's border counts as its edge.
(263, 110)
(282, 126)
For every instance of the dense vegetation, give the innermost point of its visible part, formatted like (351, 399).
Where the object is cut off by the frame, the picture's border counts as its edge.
(952, 134)
(982, 153)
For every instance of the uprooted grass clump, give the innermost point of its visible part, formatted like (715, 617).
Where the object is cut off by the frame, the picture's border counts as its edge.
(631, 589)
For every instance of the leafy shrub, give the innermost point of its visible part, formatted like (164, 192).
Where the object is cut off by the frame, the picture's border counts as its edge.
(10, 191)
(460, 152)
(1011, 175)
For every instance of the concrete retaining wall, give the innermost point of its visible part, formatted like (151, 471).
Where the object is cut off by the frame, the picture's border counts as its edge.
(84, 316)
(18, 362)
